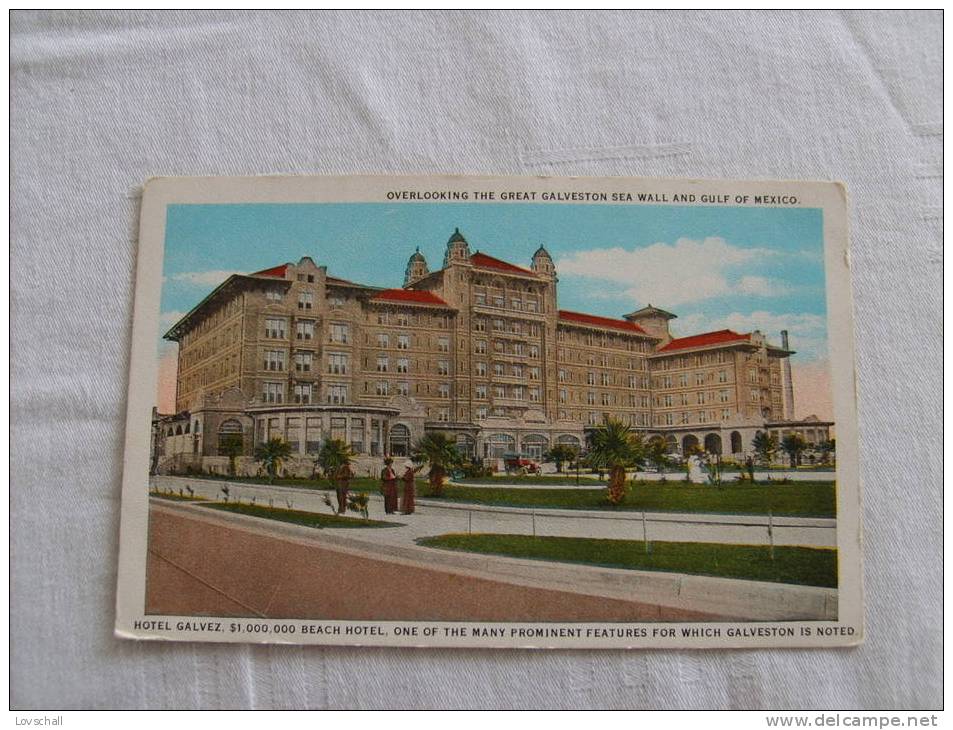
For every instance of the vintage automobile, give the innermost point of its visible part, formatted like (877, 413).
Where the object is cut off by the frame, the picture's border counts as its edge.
(517, 463)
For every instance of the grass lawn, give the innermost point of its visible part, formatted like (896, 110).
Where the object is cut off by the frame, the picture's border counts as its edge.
(297, 517)
(799, 499)
(799, 565)
(563, 480)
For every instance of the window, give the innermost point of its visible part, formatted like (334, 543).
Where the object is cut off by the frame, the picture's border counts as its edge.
(632, 381)
(481, 347)
(498, 369)
(498, 302)
(534, 395)
(303, 362)
(723, 396)
(591, 398)
(382, 318)
(683, 380)
(479, 325)
(481, 369)
(480, 392)
(275, 360)
(403, 319)
(273, 295)
(562, 395)
(701, 397)
(669, 419)
(443, 390)
(443, 344)
(481, 413)
(605, 379)
(480, 298)
(497, 325)
(667, 401)
(306, 300)
(338, 428)
(275, 329)
(606, 399)
(518, 392)
(534, 330)
(383, 340)
(340, 333)
(402, 365)
(702, 417)
(562, 376)
(337, 363)
(273, 393)
(383, 387)
(312, 435)
(684, 399)
(722, 376)
(443, 367)
(403, 388)
(498, 346)
(517, 371)
(382, 364)
(499, 391)
(534, 373)
(516, 304)
(518, 348)
(337, 394)
(443, 414)
(667, 381)
(302, 393)
(532, 305)
(592, 419)
(357, 435)
(725, 414)
(336, 300)
(403, 342)
(590, 378)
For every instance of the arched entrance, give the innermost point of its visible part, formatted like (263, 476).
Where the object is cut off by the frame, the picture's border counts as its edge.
(689, 444)
(399, 440)
(230, 436)
(672, 443)
(499, 444)
(736, 445)
(569, 440)
(713, 443)
(535, 445)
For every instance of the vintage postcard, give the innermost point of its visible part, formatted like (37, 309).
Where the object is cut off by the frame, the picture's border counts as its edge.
(492, 412)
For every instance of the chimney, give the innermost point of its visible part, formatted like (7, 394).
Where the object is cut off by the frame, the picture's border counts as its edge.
(788, 383)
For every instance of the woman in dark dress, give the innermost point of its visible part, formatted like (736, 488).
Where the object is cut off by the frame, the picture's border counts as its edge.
(389, 486)
(343, 482)
(409, 479)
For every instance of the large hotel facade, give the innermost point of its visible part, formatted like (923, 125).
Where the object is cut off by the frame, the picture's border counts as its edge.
(478, 349)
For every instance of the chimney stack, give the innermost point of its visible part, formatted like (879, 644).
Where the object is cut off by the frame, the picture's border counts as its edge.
(788, 383)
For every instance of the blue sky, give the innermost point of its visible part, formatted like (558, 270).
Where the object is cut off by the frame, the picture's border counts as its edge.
(714, 267)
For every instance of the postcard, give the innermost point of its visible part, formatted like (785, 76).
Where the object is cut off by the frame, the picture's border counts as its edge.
(463, 411)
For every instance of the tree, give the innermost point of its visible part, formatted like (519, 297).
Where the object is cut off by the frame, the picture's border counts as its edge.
(271, 454)
(793, 444)
(560, 453)
(827, 449)
(440, 451)
(333, 455)
(765, 446)
(615, 446)
(657, 455)
(231, 446)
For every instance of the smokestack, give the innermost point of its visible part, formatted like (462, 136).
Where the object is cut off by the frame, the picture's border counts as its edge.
(788, 383)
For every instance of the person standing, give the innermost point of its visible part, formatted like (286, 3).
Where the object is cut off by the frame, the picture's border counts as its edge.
(409, 478)
(389, 486)
(342, 480)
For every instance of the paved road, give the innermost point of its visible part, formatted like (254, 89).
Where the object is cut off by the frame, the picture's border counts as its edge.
(436, 518)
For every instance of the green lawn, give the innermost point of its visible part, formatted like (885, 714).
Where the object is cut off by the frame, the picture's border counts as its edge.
(799, 565)
(297, 517)
(800, 499)
(563, 480)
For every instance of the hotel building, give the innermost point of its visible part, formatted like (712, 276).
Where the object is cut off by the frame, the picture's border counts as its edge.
(478, 349)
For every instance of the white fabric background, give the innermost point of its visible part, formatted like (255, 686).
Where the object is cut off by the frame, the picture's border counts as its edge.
(102, 101)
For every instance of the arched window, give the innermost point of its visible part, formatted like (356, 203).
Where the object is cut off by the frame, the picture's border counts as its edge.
(399, 438)
(499, 444)
(689, 444)
(178, 430)
(736, 446)
(465, 445)
(713, 443)
(569, 440)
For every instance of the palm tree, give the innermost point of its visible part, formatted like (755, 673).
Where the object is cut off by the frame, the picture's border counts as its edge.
(232, 447)
(441, 453)
(765, 446)
(560, 453)
(333, 455)
(793, 444)
(271, 454)
(657, 454)
(615, 446)
(827, 448)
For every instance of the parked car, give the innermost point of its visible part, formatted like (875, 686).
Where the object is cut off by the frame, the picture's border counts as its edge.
(518, 463)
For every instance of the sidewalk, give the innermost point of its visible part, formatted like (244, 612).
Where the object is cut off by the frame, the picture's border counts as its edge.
(437, 518)
(278, 569)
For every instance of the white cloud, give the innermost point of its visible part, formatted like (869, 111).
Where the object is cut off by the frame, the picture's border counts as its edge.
(807, 332)
(671, 274)
(202, 278)
(167, 319)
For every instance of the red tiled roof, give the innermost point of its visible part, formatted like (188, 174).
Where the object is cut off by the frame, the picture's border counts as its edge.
(488, 262)
(705, 339)
(413, 296)
(278, 272)
(597, 321)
